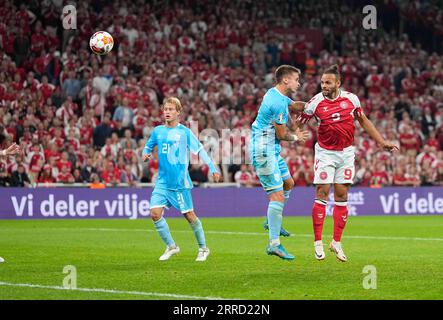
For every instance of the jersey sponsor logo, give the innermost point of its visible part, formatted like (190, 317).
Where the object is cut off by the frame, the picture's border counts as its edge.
(323, 175)
(325, 109)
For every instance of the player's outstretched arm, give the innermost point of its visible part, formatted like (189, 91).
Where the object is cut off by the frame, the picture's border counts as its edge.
(197, 148)
(369, 127)
(13, 149)
(283, 133)
(207, 159)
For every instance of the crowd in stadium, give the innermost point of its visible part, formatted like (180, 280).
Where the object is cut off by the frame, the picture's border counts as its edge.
(81, 118)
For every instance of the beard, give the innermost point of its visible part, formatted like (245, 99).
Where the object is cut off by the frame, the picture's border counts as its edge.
(331, 93)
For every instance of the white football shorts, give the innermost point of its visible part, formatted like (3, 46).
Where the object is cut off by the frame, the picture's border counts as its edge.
(332, 166)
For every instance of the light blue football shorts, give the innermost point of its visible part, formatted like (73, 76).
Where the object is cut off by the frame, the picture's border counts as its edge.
(272, 171)
(179, 199)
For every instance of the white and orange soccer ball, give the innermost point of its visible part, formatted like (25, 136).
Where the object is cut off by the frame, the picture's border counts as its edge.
(101, 42)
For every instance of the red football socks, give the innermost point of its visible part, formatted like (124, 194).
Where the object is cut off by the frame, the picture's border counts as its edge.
(340, 214)
(318, 217)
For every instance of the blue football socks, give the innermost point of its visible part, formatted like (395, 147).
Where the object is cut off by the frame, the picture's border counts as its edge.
(163, 230)
(199, 233)
(275, 210)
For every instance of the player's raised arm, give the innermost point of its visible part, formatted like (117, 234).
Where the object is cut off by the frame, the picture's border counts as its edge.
(196, 147)
(369, 127)
(149, 146)
(283, 133)
(280, 119)
(306, 113)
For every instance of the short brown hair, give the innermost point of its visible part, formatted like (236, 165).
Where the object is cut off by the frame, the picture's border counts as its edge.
(175, 101)
(333, 70)
(284, 70)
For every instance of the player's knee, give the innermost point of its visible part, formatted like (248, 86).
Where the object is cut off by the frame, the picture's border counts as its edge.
(341, 196)
(277, 196)
(190, 216)
(322, 192)
(288, 184)
(156, 215)
(340, 193)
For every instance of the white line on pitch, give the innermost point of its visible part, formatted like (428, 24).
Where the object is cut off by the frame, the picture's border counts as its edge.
(265, 234)
(243, 233)
(137, 293)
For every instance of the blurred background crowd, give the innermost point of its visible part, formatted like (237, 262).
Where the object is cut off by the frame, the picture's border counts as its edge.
(85, 118)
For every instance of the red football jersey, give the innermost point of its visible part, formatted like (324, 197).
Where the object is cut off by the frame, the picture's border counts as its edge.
(336, 118)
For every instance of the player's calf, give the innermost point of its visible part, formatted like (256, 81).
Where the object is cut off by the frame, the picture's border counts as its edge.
(283, 232)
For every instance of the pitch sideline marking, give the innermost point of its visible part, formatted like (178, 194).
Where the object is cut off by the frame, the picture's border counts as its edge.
(265, 234)
(139, 293)
(247, 233)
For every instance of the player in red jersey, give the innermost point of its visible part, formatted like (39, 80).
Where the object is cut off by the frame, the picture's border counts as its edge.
(335, 110)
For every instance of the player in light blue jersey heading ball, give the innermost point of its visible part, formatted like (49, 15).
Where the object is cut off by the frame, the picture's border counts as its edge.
(268, 129)
(173, 185)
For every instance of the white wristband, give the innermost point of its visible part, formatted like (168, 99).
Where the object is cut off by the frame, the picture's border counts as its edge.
(295, 137)
(3, 153)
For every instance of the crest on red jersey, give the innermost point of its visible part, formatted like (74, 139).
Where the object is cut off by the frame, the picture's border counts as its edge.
(343, 105)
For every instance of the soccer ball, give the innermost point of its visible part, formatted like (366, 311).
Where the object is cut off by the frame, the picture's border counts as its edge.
(101, 42)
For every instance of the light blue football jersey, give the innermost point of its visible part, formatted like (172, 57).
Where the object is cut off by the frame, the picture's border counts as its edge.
(274, 108)
(174, 147)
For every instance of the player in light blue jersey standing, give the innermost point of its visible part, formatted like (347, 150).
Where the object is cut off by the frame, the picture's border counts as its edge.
(268, 129)
(173, 185)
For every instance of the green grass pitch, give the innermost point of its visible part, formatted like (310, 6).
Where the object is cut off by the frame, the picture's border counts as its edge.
(118, 259)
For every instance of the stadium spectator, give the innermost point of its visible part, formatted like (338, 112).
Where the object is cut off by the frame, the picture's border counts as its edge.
(243, 177)
(45, 175)
(20, 177)
(197, 174)
(65, 175)
(124, 114)
(96, 183)
(22, 46)
(71, 86)
(102, 132)
(88, 170)
(221, 68)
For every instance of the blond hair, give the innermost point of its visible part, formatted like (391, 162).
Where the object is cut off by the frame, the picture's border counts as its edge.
(174, 101)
